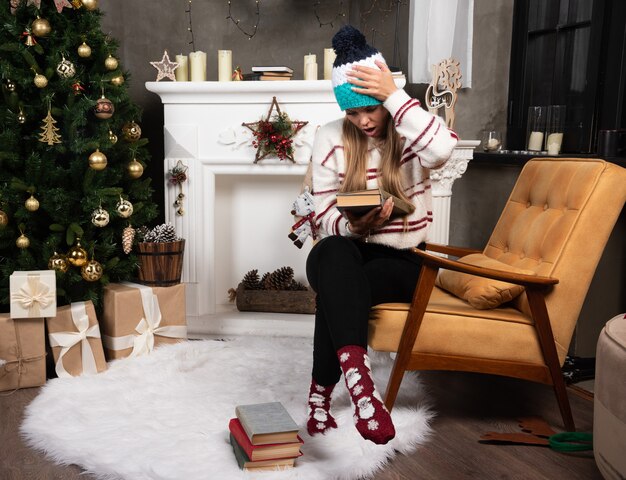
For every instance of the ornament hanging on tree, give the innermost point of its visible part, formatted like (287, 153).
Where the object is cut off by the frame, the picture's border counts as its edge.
(100, 217)
(128, 235)
(22, 241)
(91, 271)
(97, 160)
(77, 88)
(9, 85)
(84, 50)
(62, 3)
(131, 132)
(112, 138)
(4, 219)
(66, 69)
(118, 80)
(111, 63)
(31, 204)
(50, 133)
(30, 41)
(21, 117)
(58, 262)
(77, 255)
(77, 4)
(90, 4)
(40, 27)
(104, 108)
(124, 208)
(134, 169)
(40, 81)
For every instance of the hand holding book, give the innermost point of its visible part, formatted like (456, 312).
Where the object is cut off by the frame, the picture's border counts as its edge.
(372, 220)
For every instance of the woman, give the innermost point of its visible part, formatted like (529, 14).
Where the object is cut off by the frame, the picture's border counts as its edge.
(385, 140)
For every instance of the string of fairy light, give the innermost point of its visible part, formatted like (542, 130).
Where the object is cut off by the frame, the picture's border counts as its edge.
(237, 22)
(338, 16)
(190, 27)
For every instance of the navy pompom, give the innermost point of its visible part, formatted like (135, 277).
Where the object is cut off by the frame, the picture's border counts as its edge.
(350, 45)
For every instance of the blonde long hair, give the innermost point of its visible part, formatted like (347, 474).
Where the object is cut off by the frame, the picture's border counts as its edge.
(355, 155)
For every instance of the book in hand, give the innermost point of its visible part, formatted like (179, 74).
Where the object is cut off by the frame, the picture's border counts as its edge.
(246, 464)
(360, 202)
(275, 68)
(270, 451)
(267, 423)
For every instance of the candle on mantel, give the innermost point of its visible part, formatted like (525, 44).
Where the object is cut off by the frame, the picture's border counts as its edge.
(329, 59)
(197, 62)
(553, 143)
(310, 58)
(224, 65)
(310, 71)
(535, 141)
(182, 72)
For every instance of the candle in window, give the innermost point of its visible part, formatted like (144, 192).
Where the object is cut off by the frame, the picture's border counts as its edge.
(329, 58)
(224, 65)
(182, 72)
(197, 62)
(310, 58)
(535, 141)
(554, 143)
(310, 71)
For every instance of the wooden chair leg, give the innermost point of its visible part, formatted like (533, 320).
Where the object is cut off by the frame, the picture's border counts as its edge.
(546, 339)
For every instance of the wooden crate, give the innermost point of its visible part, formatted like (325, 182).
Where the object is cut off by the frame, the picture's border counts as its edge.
(278, 301)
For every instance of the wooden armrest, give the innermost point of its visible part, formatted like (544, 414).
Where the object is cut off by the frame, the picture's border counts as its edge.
(516, 278)
(451, 250)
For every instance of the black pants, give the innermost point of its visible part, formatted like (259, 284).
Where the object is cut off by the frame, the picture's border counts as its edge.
(350, 277)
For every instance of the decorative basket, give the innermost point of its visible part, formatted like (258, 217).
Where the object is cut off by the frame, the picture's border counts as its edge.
(160, 263)
(277, 301)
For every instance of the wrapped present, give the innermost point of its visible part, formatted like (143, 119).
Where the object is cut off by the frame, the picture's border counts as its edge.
(137, 318)
(74, 336)
(33, 294)
(22, 353)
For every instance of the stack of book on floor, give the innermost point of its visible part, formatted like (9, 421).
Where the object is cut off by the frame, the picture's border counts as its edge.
(264, 437)
(273, 73)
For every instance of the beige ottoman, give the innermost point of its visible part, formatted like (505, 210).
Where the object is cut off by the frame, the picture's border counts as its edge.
(609, 412)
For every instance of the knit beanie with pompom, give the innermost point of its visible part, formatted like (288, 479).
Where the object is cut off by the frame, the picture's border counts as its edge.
(352, 49)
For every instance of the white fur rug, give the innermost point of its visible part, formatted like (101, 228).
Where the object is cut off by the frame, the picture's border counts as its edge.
(165, 416)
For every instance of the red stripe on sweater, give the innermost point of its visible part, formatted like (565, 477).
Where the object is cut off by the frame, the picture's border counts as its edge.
(453, 134)
(430, 141)
(402, 230)
(331, 153)
(428, 217)
(336, 225)
(401, 109)
(320, 215)
(408, 158)
(324, 192)
(414, 104)
(420, 136)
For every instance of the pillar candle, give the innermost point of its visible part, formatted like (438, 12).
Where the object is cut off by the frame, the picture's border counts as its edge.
(310, 58)
(310, 71)
(329, 58)
(553, 143)
(182, 71)
(197, 62)
(535, 141)
(224, 65)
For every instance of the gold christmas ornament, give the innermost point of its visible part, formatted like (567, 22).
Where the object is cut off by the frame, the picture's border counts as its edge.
(22, 242)
(10, 85)
(77, 4)
(111, 63)
(91, 271)
(84, 50)
(90, 4)
(66, 69)
(21, 117)
(4, 219)
(134, 169)
(118, 81)
(50, 133)
(30, 41)
(40, 81)
(77, 255)
(104, 108)
(112, 138)
(31, 204)
(58, 262)
(128, 235)
(97, 160)
(40, 27)
(124, 207)
(100, 217)
(131, 132)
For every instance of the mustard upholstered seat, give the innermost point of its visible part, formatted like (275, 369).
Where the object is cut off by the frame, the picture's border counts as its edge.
(554, 227)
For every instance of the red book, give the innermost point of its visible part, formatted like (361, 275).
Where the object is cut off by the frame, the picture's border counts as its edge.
(269, 451)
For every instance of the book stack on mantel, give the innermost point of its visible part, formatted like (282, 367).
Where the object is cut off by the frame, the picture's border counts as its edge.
(270, 73)
(264, 437)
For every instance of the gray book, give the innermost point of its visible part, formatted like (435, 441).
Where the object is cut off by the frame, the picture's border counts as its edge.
(267, 423)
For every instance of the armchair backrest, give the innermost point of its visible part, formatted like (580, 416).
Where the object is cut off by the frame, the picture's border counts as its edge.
(556, 223)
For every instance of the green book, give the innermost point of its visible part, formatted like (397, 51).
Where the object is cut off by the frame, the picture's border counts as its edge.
(246, 464)
(267, 423)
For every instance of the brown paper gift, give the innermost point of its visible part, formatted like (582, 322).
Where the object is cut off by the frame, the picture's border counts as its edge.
(138, 318)
(22, 352)
(75, 340)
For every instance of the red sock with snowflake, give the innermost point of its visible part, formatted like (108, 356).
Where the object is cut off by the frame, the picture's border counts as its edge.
(319, 418)
(371, 417)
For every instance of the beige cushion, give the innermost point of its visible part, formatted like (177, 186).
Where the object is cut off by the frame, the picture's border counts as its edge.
(481, 293)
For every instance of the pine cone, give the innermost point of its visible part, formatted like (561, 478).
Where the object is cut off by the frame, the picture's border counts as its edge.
(161, 234)
(128, 235)
(295, 285)
(279, 279)
(263, 280)
(251, 280)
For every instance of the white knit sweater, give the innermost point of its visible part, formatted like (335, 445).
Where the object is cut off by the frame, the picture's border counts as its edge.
(428, 145)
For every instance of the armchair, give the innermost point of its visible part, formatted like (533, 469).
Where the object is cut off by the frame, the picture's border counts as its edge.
(546, 244)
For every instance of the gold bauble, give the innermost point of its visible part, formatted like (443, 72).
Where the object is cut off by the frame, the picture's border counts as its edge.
(134, 169)
(92, 270)
(104, 108)
(111, 63)
(90, 4)
(112, 138)
(10, 85)
(22, 242)
(131, 132)
(124, 207)
(40, 81)
(77, 255)
(76, 4)
(58, 262)
(84, 50)
(4, 219)
(31, 204)
(66, 69)
(40, 27)
(21, 118)
(117, 81)
(100, 217)
(97, 160)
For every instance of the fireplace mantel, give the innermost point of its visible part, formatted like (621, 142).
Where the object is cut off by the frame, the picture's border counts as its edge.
(237, 213)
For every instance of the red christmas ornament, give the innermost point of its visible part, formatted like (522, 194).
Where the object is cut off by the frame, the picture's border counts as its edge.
(77, 88)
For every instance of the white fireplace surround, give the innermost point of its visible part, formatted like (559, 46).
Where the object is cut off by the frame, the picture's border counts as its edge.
(237, 213)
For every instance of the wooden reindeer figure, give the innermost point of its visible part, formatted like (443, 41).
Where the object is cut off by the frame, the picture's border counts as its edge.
(441, 92)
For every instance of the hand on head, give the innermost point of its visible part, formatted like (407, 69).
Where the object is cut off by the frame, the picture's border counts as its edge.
(372, 220)
(375, 82)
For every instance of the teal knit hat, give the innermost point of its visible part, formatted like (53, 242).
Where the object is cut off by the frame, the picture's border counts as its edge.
(352, 49)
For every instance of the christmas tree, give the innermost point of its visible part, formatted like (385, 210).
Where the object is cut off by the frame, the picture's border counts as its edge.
(71, 152)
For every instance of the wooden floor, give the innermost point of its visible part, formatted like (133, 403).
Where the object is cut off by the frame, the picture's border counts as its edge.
(467, 405)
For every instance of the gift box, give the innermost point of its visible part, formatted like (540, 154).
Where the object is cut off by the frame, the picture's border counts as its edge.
(137, 318)
(22, 353)
(74, 336)
(33, 294)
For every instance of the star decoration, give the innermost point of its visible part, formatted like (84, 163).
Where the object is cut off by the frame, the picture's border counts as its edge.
(165, 67)
(274, 134)
(60, 4)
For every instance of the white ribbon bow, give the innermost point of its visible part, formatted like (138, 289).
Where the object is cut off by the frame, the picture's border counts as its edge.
(33, 296)
(66, 340)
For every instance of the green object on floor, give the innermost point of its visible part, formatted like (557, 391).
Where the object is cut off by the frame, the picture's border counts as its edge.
(571, 442)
